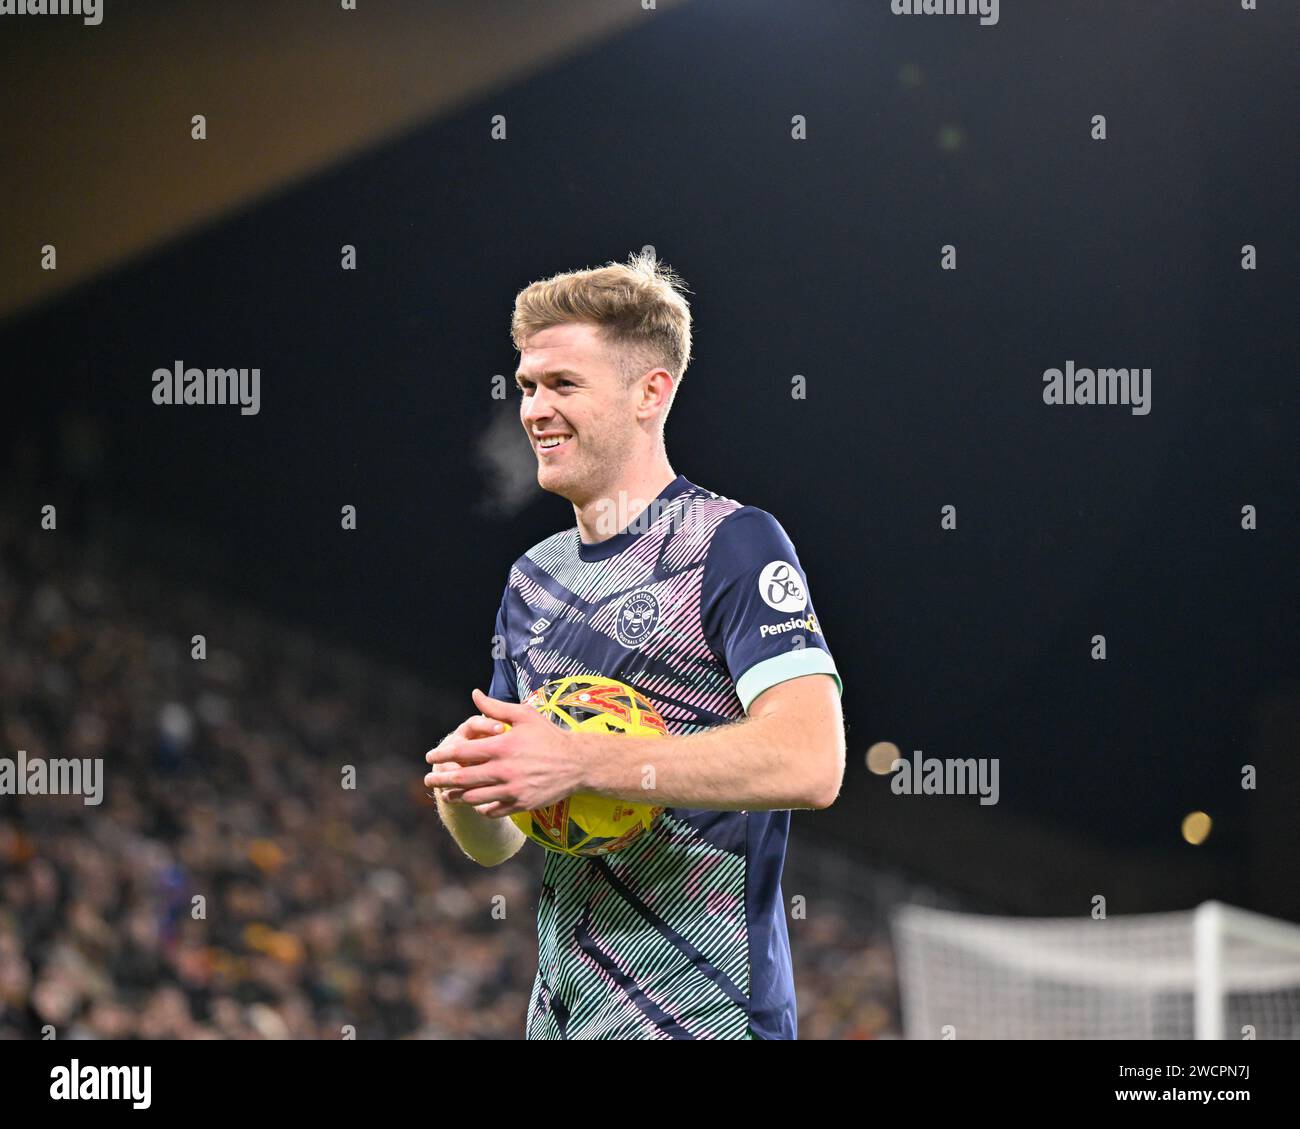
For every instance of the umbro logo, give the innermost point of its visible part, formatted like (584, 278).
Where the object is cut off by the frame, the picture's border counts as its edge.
(537, 629)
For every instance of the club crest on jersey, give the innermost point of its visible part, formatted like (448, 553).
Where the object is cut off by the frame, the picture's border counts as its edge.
(636, 619)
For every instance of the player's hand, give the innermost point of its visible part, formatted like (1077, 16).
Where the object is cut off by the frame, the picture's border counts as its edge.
(531, 763)
(472, 728)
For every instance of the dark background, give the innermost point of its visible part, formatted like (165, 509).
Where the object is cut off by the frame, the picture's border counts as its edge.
(818, 258)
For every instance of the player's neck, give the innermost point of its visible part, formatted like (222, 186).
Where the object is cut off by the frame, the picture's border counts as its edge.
(618, 505)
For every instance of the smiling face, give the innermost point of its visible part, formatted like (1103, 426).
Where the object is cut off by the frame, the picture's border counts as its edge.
(581, 417)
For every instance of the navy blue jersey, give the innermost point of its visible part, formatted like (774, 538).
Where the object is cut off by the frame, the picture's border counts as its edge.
(700, 604)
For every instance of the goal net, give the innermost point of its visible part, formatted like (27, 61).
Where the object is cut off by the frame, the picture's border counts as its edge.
(1215, 972)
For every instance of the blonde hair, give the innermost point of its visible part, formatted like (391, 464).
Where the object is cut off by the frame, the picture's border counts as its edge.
(638, 306)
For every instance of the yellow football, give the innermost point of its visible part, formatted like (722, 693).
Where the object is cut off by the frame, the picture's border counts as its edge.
(584, 824)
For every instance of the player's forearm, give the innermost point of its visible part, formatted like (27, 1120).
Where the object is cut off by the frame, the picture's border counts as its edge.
(488, 842)
(757, 764)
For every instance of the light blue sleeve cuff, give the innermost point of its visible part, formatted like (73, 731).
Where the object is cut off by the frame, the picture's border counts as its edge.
(781, 668)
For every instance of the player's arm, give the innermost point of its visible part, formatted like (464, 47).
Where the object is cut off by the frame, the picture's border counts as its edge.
(788, 753)
(489, 842)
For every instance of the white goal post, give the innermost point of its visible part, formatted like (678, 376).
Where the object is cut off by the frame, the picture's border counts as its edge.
(1215, 972)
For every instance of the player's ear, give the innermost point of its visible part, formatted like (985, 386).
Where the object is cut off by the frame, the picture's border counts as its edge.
(656, 392)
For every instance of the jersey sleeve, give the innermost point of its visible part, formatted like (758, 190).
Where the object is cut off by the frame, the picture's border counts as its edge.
(504, 686)
(756, 610)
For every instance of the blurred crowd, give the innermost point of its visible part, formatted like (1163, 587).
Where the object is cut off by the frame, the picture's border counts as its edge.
(230, 885)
